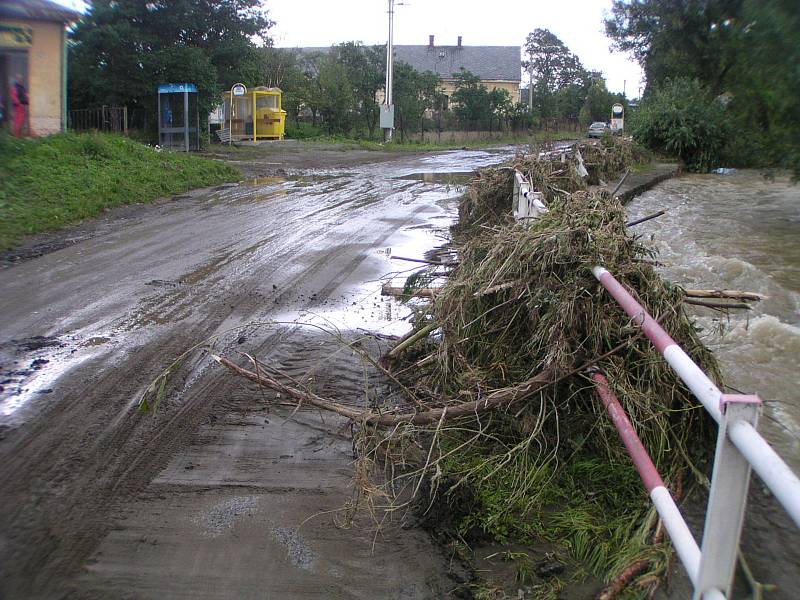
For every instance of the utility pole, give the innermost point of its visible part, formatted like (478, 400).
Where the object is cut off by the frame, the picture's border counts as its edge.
(387, 109)
(530, 89)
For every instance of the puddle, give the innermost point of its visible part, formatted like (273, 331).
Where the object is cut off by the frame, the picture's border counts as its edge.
(450, 179)
(361, 306)
(276, 179)
(36, 376)
(95, 341)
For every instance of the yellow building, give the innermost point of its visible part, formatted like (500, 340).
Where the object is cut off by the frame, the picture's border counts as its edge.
(498, 67)
(33, 45)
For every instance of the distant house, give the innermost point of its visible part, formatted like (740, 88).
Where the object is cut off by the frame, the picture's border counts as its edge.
(498, 67)
(33, 44)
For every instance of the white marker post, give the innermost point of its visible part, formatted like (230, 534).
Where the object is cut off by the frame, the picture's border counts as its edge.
(237, 91)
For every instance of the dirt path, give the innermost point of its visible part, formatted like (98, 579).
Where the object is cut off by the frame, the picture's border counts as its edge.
(207, 498)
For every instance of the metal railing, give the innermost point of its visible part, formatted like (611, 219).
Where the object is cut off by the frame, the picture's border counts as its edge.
(112, 119)
(739, 447)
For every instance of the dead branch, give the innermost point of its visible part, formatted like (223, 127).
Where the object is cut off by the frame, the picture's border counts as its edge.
(732, 294)
(495, 288)
(643, 219)
(613, 589)
(388, 290)
(422, 260)
(712, 304)
(504, 397)
(411, 340)
(621, 183)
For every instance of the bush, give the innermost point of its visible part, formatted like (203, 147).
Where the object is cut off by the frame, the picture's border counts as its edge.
(302, 131)
(683, 119)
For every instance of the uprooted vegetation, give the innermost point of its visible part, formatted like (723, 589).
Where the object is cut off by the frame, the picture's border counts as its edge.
(499, 434)
(556, 174)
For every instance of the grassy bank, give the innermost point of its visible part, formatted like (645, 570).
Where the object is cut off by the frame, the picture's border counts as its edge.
(51, 182)
(410, 146)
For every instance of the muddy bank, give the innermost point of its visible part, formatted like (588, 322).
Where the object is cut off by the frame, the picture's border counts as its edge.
(256, 503)
(636, 183)
(279, 159)
(116, 308)
(293, 156)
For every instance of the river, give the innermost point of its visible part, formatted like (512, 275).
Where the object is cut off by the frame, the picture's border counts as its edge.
(742, 231)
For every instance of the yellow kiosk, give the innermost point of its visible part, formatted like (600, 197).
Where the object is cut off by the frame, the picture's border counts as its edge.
(255, 114)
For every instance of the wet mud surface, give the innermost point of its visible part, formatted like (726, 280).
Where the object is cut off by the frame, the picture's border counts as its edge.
(212, 496)
(215, 496)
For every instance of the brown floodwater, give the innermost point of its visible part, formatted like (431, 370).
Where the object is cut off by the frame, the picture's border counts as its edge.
(741, 232)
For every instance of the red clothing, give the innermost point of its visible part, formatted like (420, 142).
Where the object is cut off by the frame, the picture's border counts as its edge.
(20, 101)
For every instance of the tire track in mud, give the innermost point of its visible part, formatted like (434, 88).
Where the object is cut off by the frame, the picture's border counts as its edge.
(64, 472)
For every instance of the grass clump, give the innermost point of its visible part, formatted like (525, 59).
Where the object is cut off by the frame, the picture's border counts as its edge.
(47, 183)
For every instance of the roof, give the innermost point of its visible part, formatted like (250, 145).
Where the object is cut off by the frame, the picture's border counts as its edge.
(37, 10)
(489, 63)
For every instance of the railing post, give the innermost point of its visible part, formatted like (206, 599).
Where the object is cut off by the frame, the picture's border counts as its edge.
(726, 502)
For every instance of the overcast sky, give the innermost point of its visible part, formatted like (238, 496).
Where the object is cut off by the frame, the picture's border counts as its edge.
(579, 23)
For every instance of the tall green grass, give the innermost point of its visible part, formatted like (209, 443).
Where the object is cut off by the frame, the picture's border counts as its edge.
(51, 182)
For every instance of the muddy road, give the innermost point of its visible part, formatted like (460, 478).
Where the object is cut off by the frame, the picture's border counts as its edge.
(210, 498)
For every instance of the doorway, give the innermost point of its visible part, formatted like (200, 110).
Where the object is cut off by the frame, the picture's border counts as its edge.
(12, 63)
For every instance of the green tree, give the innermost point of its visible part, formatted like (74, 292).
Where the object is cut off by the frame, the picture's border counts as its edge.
(471, 99)
(552, 67)
(518, 117)
(308, 91)
(691, 38)
(121, 50)
(284, 68)
(764, 87)
(414, 94)
(597, 106)
(683, 118)
(499, 106)
(743, 50)
(335, 95)
(366, 69)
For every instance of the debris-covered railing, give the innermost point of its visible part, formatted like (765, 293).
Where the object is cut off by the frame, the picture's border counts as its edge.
(739, 447)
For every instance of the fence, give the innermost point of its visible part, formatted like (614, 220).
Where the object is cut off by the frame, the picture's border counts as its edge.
(561, 124)
(739, 447)
(112, 119)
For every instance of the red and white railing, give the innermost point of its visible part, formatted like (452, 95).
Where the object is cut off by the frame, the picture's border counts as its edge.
(739, 447)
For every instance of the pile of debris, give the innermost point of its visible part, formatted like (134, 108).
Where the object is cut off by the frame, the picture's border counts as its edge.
(556, 174)
(498, 425)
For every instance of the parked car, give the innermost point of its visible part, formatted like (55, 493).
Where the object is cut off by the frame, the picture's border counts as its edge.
(597, 129)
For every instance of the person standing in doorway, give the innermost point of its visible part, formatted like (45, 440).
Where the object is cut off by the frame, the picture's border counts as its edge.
(19, 98)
